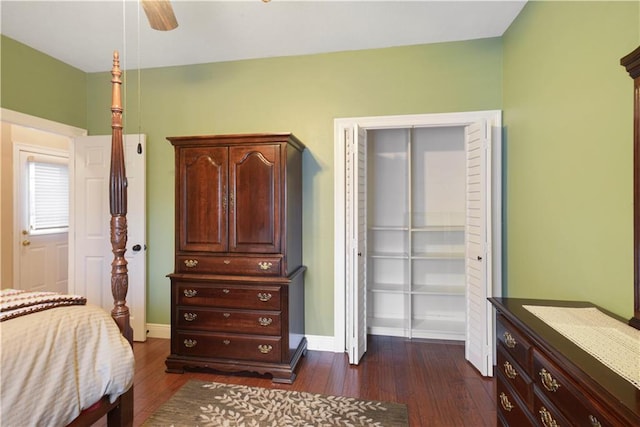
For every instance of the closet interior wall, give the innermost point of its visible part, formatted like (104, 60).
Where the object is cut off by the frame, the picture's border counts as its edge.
(416, 180)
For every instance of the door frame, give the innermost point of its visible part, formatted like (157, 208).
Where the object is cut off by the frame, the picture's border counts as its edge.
(71, 132)
(342, 125)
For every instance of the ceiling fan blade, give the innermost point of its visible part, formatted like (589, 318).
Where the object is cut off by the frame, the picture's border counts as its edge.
(160, 14)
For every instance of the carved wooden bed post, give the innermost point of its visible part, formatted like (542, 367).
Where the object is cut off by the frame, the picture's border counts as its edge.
(118, 207)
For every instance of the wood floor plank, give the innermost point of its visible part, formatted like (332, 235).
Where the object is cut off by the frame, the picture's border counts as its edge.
(439, 387)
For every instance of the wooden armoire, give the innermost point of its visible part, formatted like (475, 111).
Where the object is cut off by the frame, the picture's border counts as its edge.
(237, 292)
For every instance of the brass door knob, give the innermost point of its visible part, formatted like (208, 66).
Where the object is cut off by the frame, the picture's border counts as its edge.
(26, 242)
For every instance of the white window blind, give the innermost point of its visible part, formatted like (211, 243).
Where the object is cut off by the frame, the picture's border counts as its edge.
(48, 196)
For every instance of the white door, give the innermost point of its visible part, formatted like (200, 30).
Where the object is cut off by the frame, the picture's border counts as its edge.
(41, 241)
(478, 345)
(356, 251)
(92, 244)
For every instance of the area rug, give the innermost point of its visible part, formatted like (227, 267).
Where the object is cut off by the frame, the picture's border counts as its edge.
(200, 403)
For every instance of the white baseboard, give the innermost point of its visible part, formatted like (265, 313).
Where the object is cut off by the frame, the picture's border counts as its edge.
(314, 342)
(320, 343)
(157, 330)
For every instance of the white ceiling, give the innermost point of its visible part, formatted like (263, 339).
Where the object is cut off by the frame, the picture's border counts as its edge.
(85, 33)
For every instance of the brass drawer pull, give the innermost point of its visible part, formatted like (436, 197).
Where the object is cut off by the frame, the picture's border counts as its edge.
(190, 263)
(226, 342)
(226, 315)
(549, 383)
(504, 401)
(594, 421)
(227, 262)
(546, 418)
(264, 265)
(264, 349)
(509, 340)
(264, 296)
(265, 321)
(190, 293)
(510, 371)
(190, 317)
(225, 291)
(190, 343)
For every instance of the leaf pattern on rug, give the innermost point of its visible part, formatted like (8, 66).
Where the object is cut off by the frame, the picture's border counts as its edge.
(261, 407)
(211, 404)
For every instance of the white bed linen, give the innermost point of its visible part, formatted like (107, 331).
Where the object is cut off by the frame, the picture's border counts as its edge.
(58, 362)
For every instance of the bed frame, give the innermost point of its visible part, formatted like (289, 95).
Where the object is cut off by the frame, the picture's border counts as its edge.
(120, 412)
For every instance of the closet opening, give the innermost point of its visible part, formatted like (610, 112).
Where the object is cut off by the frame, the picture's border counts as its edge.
(418, 230)
(415, 204)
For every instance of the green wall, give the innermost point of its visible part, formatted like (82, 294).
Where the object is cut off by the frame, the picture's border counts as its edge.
(568, 111)
(301, 94)
(555, 73)
(39, 85)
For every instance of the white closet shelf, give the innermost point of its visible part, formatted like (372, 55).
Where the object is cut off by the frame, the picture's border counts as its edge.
(387, 326)
(392, 255)
(455, 290)
(387, 288)
(444, 325)
(440, 332)
(438, 255)
(438, 228)
(389, 228)
(435, 328)
(382, 322)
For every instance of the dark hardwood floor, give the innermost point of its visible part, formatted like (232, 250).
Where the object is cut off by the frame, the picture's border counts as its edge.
(439, 387)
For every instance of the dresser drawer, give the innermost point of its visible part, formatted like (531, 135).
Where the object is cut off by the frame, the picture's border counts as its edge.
(217, 320)
(565, 395)
(515, 375)
(228, 346)
(510, 408)
(228, 295)
(245, 265)
(516, 345)
(547, 414)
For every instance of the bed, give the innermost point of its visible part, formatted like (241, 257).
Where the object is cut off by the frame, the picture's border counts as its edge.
(66, 362)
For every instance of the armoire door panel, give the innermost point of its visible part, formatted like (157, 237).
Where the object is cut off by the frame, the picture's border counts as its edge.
(254, 209)
(203, 199)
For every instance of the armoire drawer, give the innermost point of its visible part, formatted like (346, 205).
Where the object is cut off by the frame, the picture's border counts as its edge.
(552, 383)
(510, 408)
(516, 345)
(217, 320)
(228, 295)
(515, 375)
(229, 346)
(229, 265)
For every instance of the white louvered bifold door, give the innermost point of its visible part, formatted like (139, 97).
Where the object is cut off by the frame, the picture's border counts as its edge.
(478, 263)
(356, 207)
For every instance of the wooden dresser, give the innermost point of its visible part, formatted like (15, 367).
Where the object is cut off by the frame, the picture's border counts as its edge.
(545, 379)
(237, 292)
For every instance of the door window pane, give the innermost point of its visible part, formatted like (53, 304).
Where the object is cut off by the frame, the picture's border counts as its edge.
(48, 197)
